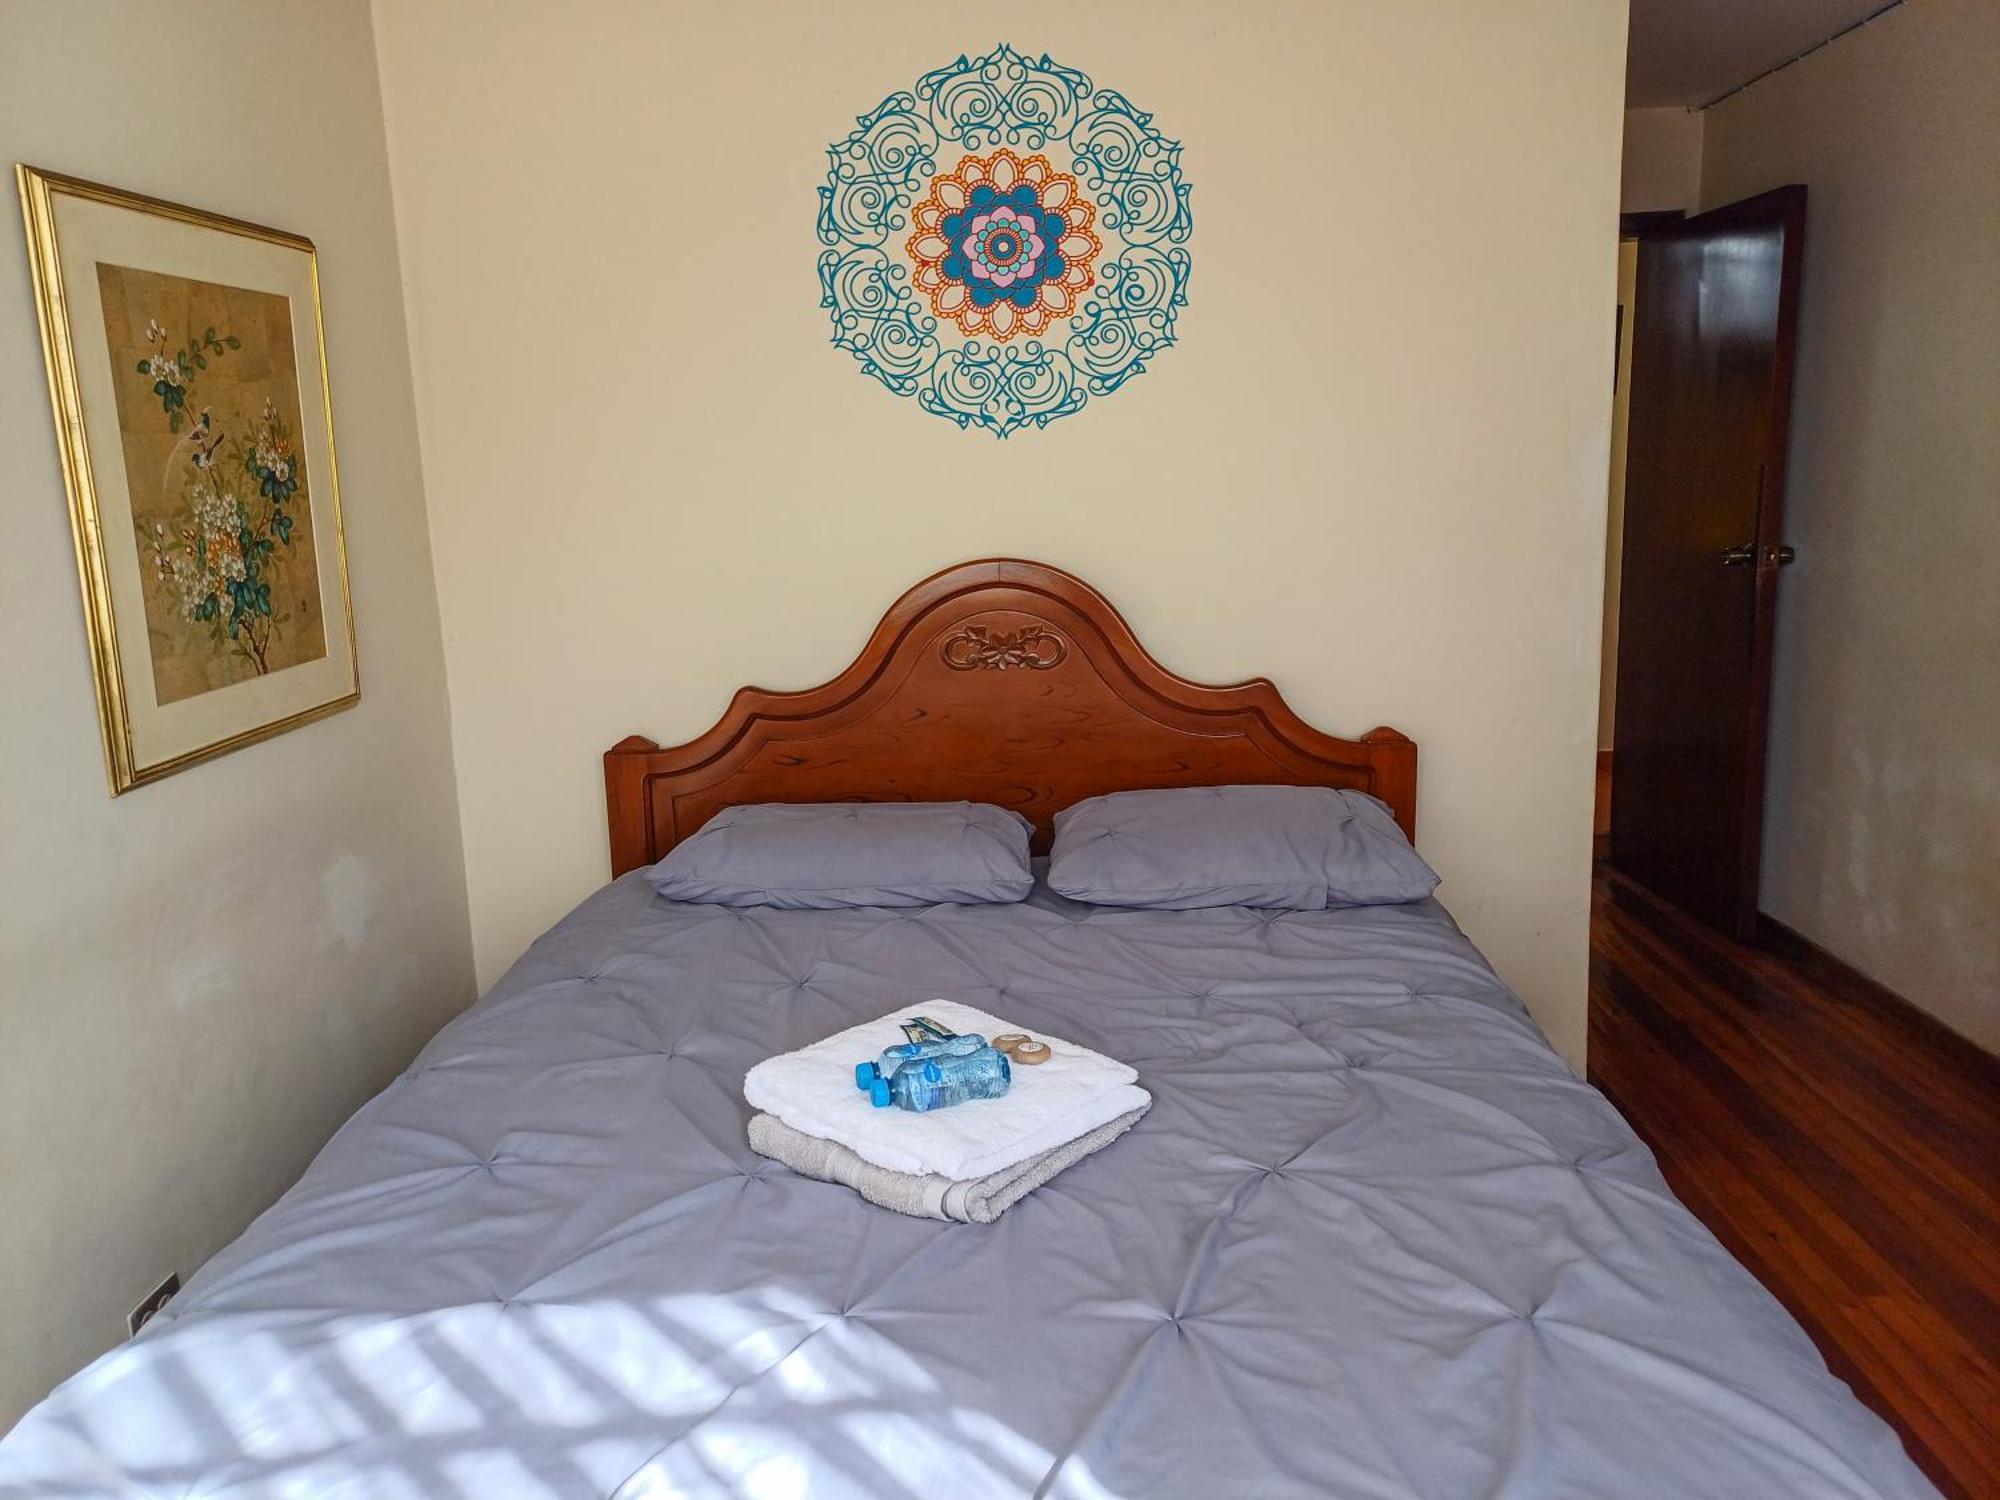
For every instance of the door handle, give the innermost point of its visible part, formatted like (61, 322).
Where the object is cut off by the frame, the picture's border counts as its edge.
(1744, 554)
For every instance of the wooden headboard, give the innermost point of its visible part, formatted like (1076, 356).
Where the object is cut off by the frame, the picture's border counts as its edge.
(994, 681)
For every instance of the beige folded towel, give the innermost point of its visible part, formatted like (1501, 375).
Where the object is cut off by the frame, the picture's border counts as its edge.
(978, 1200)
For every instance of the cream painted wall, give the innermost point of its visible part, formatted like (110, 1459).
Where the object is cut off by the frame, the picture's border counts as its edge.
(1374, 468)
(201, 979)
(1661, 168)
(1882, 831)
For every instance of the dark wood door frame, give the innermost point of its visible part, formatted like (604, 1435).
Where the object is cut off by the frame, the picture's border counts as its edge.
(1771, 552)
(1712, 379)
(1638, 226)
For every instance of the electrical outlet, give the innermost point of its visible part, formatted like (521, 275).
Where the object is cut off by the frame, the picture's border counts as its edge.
(160, 1296)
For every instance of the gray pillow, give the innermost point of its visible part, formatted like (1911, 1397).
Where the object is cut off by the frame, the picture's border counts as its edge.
(1304, 848)
(831, 854)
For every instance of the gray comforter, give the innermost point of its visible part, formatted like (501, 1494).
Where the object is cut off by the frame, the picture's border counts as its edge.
(1374, 1239)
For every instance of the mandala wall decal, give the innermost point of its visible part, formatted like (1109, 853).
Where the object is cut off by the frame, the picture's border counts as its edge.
(1004, 241)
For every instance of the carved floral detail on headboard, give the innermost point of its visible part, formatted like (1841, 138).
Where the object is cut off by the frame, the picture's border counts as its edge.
(977, 649)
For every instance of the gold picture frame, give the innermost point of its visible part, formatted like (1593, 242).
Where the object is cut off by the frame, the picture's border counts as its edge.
(215, 595)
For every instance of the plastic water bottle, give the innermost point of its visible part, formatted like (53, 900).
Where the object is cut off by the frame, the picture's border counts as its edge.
(926, 1038)
(935, 1073)
(947, 1045)
(940, 1082)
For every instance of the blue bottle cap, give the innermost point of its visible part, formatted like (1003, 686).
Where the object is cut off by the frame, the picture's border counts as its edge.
(878, 1093)
(864, 1074)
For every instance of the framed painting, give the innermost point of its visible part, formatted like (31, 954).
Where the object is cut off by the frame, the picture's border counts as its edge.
(187, 370)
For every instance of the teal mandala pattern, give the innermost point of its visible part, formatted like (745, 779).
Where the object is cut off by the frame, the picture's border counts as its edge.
(1004, 241)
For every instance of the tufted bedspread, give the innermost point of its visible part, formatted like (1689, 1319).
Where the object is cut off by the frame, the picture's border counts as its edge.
(1374, 1239)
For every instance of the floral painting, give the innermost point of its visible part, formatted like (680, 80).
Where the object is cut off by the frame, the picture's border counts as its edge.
(208, 415)
(188, 381)
(1005, 241)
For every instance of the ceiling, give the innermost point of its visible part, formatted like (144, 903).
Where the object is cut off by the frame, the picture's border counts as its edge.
(1688, 51)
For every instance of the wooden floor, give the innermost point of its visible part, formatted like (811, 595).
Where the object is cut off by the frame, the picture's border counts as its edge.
(1846, 1152)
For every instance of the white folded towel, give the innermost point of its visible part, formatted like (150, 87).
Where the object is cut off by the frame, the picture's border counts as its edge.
(1074, 1092)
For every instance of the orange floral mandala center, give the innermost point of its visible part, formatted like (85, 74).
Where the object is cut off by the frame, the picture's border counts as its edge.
(1002, 245)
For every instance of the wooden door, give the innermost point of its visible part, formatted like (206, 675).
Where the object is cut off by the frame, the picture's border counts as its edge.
(1714, 326)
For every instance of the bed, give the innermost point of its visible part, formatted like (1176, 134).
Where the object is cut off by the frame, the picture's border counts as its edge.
(1373, 1239)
